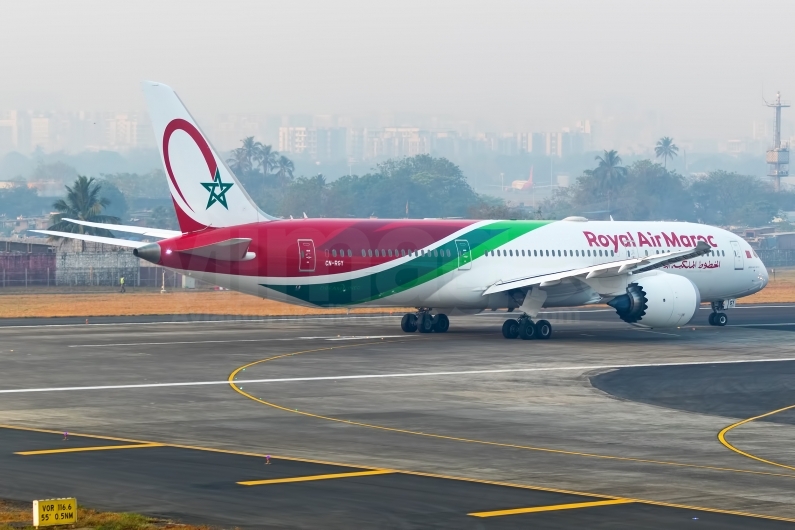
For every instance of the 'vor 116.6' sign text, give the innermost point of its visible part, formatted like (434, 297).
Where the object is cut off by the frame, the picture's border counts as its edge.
(54, 511)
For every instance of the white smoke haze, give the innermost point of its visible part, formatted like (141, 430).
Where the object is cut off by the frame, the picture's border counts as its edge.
(685, 69)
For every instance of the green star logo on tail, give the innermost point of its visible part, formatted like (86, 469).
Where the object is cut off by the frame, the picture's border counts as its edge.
(217, 190)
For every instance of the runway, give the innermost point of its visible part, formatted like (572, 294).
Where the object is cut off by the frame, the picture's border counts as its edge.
(603, 426)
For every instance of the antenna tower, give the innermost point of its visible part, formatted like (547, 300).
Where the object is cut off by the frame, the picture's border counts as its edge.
(778, 157)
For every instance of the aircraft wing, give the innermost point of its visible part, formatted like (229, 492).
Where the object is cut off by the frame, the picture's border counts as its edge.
(144, 231)
(94, 239)
(613, 268)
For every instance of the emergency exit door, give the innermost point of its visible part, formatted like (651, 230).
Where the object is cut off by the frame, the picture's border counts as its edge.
(464, 254)
(306, 255)
(739, 263)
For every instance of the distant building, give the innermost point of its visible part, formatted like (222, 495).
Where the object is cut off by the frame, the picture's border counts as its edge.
(9, 131)
(295, 140)
(40, 132)
(332, 143)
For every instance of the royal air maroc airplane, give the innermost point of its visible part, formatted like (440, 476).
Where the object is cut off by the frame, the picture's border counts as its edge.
(654, 274)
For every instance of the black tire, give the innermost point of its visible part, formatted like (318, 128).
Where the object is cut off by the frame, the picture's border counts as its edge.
(721, 319)
(424, 323)
(712, 319)
(510, 329)
(441, 323)
(527, 330)
(543, 330)
(409, 323)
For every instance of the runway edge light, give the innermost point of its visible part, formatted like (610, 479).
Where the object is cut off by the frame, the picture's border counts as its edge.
(49, 512)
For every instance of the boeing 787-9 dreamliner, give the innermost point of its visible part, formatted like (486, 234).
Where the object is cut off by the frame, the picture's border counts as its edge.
(654, 274)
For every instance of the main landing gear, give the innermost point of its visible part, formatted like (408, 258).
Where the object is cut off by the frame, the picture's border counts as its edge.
(424, 322)
(717, 318)
(526, 329)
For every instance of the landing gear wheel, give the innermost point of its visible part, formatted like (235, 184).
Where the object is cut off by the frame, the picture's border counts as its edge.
(409, 323)
(720, 319)
(527, 330)
(424, 323)
(711, 319)
(510, 329)
(441, 323)
(543, 330)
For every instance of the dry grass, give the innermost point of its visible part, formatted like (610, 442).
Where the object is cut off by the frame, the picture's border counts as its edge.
(151, 303)
(779, 290)
(89, 304)
(16, 515)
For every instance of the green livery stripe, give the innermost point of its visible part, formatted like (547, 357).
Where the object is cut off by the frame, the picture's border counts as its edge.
(412, 273)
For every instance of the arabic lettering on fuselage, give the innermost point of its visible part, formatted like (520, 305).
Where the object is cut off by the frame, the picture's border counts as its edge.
(661, 240)
(691, 264)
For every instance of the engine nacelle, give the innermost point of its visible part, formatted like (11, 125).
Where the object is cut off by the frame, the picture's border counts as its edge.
(659, 301)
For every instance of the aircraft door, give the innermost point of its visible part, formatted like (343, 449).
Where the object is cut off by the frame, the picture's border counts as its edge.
(306, 255)
(464, 254)
(739, 263)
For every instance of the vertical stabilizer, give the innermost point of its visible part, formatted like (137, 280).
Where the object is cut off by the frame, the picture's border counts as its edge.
(205, 191)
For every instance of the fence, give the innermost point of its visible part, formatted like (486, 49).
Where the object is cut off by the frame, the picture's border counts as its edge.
(84, 269)
(24, 270)
(777, 258)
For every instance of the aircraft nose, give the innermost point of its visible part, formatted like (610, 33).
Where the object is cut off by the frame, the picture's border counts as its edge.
(763, 277)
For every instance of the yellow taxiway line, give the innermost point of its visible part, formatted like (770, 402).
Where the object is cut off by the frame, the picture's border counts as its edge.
(310, 478)
(551, 508)
(722, 438)
(81, 449)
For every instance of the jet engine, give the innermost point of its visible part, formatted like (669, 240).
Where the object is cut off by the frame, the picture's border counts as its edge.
(659, 301)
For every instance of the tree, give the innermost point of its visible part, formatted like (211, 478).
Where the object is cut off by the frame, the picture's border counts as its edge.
(609, 173)
(268, 159)
(83, 202)
(666, 149)
(21, 200)
(284, 169)
(244, 157)
(163, 217)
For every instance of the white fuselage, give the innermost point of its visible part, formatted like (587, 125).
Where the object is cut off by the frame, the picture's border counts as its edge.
(731, 270)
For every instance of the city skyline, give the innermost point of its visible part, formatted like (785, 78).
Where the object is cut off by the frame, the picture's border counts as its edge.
(507, 66)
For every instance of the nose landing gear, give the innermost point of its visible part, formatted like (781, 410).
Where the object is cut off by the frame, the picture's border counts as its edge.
(424, 322)
(717, 318)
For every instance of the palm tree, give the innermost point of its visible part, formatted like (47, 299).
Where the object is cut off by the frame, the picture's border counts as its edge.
(267, 158)
(284, 168)
(82, 202)
(666, 149)
(609, 173)
(243, 158)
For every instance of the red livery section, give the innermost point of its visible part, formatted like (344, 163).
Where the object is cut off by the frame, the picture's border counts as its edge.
(311, 247)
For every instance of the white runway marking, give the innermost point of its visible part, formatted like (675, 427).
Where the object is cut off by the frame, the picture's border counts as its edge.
(755, 325)
(656, 332)
(228, 321)
(351, 337)
(239, 383)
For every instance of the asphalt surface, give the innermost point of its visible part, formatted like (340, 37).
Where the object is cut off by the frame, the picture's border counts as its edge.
(736, 390)
(202, 486)
(603, 411)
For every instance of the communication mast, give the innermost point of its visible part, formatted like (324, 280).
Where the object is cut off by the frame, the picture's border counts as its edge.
(778, 157)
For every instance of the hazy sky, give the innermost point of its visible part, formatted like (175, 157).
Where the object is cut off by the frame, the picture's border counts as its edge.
(697, 67)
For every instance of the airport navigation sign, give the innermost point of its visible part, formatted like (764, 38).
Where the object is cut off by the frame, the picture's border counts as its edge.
(51, 512)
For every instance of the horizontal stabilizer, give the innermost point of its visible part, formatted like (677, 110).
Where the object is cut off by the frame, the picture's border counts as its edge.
(94, 239)
(235, 249)
(142, 230)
